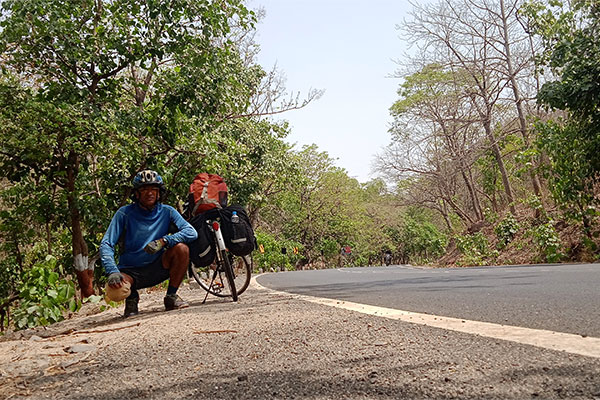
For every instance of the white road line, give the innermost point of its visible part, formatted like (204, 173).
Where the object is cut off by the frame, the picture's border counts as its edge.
(559, 341)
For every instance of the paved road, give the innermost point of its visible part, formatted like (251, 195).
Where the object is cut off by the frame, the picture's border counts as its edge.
(562, 298)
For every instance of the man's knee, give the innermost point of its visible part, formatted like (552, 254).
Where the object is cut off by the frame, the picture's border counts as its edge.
(181, 249)
(180, 253)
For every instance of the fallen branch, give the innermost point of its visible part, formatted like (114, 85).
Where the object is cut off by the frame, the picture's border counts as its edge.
(221, 331)
(74, 332)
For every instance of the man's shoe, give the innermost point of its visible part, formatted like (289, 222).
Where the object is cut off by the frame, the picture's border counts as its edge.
(131, 307)
(173, 302)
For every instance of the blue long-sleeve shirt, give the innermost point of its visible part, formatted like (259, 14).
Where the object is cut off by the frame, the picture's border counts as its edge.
(141, 226)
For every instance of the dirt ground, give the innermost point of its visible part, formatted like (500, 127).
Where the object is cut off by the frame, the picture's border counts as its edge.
(276, 346)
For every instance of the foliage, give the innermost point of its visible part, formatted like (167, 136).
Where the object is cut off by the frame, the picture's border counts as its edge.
(506, 230)
(122, 86)
(44, 295)
(548, 242)
(273, 256)
(569, 32)
(420, 241)
(317, 209)
(573, 169)
(475, 249)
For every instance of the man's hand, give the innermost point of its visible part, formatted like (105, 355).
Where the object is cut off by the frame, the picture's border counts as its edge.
(154, 246)
(115, 280)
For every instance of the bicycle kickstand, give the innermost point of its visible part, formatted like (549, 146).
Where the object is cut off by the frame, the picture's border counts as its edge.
(210, 286)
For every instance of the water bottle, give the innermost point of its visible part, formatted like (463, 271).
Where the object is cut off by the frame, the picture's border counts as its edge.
(235, 218)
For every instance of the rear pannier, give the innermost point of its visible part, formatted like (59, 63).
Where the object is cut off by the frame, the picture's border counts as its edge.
(202, 250)
(238, 234)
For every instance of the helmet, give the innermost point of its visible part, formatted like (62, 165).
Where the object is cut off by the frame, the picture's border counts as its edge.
(148, 177)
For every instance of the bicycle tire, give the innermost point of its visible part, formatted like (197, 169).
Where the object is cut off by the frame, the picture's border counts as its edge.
(242, 272)
(211, 279)
(229, 275)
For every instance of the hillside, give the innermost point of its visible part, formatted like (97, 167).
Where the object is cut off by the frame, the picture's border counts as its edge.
(529, 239)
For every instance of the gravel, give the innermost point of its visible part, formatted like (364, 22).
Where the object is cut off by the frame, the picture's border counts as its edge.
(273, 346)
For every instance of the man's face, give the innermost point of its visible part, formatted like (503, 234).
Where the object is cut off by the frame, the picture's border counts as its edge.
(148, 196)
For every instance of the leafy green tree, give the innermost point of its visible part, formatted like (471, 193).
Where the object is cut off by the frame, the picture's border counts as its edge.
(419, 239)
(317, 207)
(323, 210)
(569, 32)
(70, 72)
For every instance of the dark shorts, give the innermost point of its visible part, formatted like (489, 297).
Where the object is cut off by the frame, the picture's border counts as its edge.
(149, 275)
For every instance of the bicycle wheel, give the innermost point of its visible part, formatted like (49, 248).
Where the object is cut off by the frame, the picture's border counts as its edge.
(242, 269)
(229, 274)
(213, 279)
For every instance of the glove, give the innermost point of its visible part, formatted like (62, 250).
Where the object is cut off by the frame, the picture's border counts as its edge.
(115, 279)
(154, 246)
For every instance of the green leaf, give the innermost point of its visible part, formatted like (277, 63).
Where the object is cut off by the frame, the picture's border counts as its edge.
(72, 305)
(93, 299)
(33, 309)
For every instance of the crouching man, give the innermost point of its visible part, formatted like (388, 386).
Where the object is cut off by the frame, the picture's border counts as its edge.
(149, 255)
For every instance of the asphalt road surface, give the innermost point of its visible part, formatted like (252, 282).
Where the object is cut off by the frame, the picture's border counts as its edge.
(561, 298)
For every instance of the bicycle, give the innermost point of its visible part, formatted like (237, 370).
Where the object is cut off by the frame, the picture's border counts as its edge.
(387, 258)
(228, 275)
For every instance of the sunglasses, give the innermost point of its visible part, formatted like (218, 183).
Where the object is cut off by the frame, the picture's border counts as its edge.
(144, 189)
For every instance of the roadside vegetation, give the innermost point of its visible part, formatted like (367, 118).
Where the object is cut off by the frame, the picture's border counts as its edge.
(494, 153)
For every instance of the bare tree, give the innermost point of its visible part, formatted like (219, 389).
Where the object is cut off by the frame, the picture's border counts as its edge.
(271, 96)
(436, 138)
(513, 45)
(463, 38)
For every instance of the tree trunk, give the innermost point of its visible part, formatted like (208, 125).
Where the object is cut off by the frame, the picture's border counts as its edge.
(465, 172)
(472, 194)
(501, 167)
(444, 212)
(85, 276)
(463, 215)
(535, 181)
(18, 254)
(49, 237)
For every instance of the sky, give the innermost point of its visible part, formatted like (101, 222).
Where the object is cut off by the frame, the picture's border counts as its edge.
(347, 48)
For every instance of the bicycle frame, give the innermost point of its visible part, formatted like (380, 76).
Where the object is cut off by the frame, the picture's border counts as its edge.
(216, 229)
(222, 259)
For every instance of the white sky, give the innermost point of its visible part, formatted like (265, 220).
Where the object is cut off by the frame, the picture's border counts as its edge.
(346, 47)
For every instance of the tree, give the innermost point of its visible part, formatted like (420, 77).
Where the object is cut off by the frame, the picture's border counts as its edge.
(516, 66)
(436, 140)
(486, 42)
(66, 64)
(321, 209)
(569, 33)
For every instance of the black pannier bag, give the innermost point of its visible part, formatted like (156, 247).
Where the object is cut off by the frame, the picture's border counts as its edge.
(202, 250)
(239, 236)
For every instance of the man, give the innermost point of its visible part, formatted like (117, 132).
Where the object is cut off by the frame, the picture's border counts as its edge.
(387, 257)
(149, 255)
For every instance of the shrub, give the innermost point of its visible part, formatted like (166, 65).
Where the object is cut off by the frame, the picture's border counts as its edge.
(273, 256)
(44, 296)
(420, 240)
(548, 242)
(475, 249)
(506, 230)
